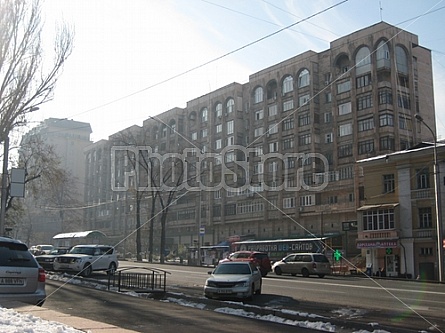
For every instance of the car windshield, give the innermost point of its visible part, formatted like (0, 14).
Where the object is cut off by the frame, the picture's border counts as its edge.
(15, 254)
(82, 250)
(232, 269)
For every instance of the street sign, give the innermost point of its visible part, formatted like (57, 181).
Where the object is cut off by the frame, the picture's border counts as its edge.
(202, 231)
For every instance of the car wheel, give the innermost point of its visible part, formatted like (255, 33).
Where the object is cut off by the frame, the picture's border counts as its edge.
(321, 275)
(252, 292)
(111, 269)
(263, 273)
(278, 271)
(87, 270)
(305, 272)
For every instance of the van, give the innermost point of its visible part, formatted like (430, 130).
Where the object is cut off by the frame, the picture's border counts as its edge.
(303, 263)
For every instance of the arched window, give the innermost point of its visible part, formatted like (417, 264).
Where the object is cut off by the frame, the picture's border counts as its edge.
(230, 105)
(258, 95)
(172, 126)
(303, 78)
(155, 133)
(401, 60)
(288, 84)
(164, 131)
(204, 115)
(382, 55)
(218, 109)
(363, 61)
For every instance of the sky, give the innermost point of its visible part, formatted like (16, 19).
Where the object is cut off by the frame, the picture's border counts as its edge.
(12, 321)
(136, 59)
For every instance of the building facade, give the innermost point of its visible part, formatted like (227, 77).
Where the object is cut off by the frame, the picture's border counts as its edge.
(397, 228)
(278, 153)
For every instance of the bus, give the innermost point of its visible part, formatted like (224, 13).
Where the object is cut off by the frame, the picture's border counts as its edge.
(278, 248)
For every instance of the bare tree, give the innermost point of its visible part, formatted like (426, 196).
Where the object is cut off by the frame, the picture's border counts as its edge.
(26, 81)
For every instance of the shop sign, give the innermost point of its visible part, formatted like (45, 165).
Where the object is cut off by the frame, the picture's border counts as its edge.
(376, 244)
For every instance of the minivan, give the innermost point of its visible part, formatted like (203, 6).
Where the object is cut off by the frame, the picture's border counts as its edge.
(303, 263)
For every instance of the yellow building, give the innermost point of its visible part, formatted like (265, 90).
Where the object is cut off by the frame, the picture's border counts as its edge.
(397, 223)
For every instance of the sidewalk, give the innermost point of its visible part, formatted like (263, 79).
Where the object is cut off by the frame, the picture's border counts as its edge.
(78, 323)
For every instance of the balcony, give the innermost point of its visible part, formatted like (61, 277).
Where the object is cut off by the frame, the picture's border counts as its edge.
(424, 193)
(424, 233)
(378, 235)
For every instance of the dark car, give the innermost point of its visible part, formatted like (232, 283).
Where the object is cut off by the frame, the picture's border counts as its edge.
(47, 260)
(21, 277)
(260, 259)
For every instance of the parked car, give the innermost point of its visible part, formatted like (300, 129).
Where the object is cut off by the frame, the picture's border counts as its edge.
(47, 260)
(234, 279)
(303, 263)
(84, 259)
(41, 249)
(261, 259)
(21, 277)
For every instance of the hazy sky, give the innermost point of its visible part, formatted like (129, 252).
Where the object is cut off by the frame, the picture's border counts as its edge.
(135, 59)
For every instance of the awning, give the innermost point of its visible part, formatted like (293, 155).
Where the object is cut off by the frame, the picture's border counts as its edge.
(379, 206)
(80, 234)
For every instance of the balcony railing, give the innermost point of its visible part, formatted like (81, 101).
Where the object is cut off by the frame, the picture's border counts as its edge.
(424, 193)
(378, 234)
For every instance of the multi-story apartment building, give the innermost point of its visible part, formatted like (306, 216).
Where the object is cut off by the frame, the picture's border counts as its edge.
(278, 153)
(68, 138)
(397, 228)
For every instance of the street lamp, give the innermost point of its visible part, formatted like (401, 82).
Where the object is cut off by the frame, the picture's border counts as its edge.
(4, 190)
(437, 201)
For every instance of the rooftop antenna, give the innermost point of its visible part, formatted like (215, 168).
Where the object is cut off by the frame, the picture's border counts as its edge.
(381, 11)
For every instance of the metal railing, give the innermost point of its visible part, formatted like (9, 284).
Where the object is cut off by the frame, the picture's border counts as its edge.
(154, 280)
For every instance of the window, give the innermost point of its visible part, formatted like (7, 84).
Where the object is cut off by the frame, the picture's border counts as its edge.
(230, 141)
(273, 128)
(366, 147)
(385, 96)
(333, 199)
(218, 144)
(328, 97)
(328, 117)
(382, 55)
(259, 115)
(404, 122)
(164, 131)
(230, 127)
(288, 143)
(423, 179)
(362, 61)
(216, 210)
(426, 251)
(230, 209)
(379, 219)
(345, 150)
(425, 218)
(231, 105)
(273, 110)
(386, 143)
(288, 84)
(273, 166)
(303, 78)
(401, 60)
(345, 129)
(258, 168)
(258, 95)
(290, 162)
(204, 115)
(365, 124)
(304, 139)
(288, 124)
(343, 87)
(258, 151)
(364, 102)
(303, 100)
(258, 132)
(386, 119)
(329, 138)
(204, 133)
(304, 119)
(345, 173)
(388, 183)
(273, 147)
(363, 81)
(288, 203)
(288, 105)
(403, 101)
(219, 128)
(344, 108)
(194, 136)
(218, 110)
(229, 156)
(307, 200)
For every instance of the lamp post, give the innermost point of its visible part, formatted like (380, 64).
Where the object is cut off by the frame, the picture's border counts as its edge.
(437, 201)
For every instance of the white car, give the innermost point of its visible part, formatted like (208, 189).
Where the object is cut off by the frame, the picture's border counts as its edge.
(234, 279)
(84, 259)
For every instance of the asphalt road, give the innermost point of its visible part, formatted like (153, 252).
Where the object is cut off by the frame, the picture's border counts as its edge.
(150, 315)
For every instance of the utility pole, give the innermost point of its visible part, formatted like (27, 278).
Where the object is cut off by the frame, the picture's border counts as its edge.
(4, 185)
